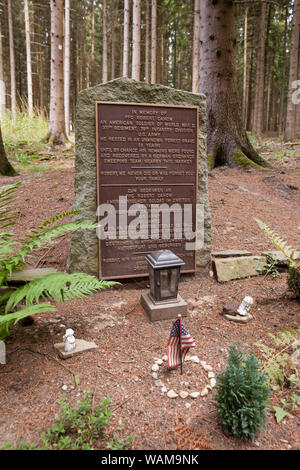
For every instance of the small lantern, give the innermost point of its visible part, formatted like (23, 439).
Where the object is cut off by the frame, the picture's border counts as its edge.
(164, 273)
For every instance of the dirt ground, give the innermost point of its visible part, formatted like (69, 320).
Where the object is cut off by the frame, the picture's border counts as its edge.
(128, 344)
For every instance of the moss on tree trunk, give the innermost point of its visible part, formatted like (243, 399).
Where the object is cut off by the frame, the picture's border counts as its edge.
(227, 140)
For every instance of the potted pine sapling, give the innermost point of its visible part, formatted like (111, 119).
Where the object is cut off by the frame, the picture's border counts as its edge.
(13, 255)
(242, 395)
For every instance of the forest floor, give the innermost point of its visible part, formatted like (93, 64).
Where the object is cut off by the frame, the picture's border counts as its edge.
(128, 344)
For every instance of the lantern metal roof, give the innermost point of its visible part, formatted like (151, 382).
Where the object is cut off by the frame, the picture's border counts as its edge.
(164, 259)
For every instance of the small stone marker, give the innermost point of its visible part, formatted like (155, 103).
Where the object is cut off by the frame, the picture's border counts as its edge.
(227, 269)
(231, 253)
(81, 346)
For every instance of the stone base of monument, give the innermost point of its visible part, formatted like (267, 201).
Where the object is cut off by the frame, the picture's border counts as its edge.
(164, 310)
(81, 346)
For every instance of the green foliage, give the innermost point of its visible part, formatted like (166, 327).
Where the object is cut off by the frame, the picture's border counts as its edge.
(289, 252)
(277, 363)
(24, 129)
(13, 254)
(270, 268)
(294, 281)
(281, 413)
(242, 395)
(78, 428)
(278, 241)
(20, 446)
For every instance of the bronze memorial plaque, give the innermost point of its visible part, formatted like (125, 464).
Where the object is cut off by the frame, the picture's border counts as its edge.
(146, 184)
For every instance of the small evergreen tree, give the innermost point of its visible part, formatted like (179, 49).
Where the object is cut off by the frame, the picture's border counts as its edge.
(242, 395)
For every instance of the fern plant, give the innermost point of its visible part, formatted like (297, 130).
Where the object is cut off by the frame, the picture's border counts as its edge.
(288, 251)
(13, 255)
(277, 359)
(242, 395)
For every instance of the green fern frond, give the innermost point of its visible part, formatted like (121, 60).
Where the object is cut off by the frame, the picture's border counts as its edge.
(58, 286)
(41, 240)
(6, 214)
(6, 321)
(277, 241)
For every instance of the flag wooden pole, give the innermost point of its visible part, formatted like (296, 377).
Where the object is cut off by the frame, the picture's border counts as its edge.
(180, 350)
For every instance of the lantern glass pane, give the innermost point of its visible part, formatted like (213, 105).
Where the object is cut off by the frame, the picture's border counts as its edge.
(168, 284)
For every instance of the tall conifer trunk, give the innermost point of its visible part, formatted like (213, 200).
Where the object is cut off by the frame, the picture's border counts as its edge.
(227, 140)
(6, 168)
(57, 132)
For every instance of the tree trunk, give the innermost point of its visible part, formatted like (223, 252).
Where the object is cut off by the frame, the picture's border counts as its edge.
(245, 94)
(153, 40)
(6, 168)
(2, 83)
(136, 39)
(196, 47)
(126, 39)
(283, 74)
(28, 58)
(104, 43)
(290, 126)
(147, 44)
(67, 68)
(227, 140)
(260, 75)
(113, 41)
(57, 132)
(13, 94)
(92, 74)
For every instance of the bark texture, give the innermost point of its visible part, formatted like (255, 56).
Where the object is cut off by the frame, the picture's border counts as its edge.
(136, 39)
(290, 127)
(6, 168)
(12, 62)
(28, 58)
(57, 116)
(227, 140)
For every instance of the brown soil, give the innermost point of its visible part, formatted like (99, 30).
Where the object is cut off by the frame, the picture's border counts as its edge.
(31, 381)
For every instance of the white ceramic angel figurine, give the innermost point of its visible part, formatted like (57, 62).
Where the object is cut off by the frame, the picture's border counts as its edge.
(245, 306)
(69, 340)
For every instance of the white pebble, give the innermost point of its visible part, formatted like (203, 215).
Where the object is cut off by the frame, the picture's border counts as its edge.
(187, 405)
(172, 394)
(204, 392)
(154, 375)
(164, 389)
(195, 359)
(64, 387)
(165, 358)
(159, 362)
(194, 394)
(183, 394)
(213, 383)
(158, 383)
(211, 375)
(207, 367)
(155, 367)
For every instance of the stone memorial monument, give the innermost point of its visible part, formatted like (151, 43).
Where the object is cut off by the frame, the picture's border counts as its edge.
(139, 147)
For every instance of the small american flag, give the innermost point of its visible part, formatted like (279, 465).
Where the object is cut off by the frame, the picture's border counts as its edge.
(180, 341)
